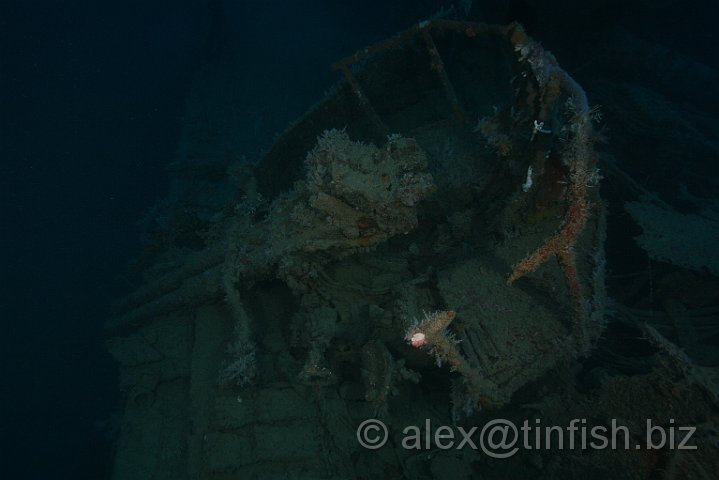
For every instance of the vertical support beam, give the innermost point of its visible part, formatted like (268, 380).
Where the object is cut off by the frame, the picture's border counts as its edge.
(438, 66)
(363, 100)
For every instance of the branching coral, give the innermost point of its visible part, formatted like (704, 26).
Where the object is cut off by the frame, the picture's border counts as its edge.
(577, 157)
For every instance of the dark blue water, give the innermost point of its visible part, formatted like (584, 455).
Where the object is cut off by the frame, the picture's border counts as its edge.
(91, 102)
(90, 96)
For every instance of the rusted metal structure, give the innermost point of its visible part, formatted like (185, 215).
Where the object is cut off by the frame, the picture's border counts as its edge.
(445, 174)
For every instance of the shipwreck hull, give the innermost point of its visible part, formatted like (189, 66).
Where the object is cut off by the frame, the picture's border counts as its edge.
(434, 84)
(451, 171)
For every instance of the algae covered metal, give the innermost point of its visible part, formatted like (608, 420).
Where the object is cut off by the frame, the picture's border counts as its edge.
(427, 238)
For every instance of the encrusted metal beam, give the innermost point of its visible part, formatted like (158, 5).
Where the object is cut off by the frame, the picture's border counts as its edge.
(363, 100)
(438, 66)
